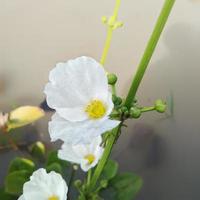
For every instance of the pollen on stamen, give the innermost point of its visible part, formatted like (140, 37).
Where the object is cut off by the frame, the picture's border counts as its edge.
(90, 158)
(53, 198)
(95, 109)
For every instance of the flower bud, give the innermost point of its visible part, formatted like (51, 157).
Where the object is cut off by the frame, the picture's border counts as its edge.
(112, 79)
(23, 115)
(124, 109)
(104, 183)
(37, 149)
(160, 106)
(77, 183)
(135, 112)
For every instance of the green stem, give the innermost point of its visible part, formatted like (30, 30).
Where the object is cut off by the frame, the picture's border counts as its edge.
(89, 177)
(147, 109)
(149, 51)
(106, 154)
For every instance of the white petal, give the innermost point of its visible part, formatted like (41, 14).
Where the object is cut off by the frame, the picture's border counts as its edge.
(78, 132)
(73, 85)
(21, 197)
(84, 163)
(67, 153)
(42, 186)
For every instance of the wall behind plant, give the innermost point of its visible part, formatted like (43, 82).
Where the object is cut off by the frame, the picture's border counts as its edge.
(163, 149)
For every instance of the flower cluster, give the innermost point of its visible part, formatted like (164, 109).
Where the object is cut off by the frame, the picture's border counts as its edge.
(78, 90)
(79, 93)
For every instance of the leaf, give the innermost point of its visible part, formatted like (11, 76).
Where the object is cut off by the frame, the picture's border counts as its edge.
(54, 163)
(53, 158)
(123, 186)
(109, 171)
(21, 164)
(54, 167)
(5, 196)
(14, 181)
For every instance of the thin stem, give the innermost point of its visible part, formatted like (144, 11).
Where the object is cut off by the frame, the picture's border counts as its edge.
(107, 45)
(89, 177)
(110, 33)
(73, 172)
(149, 50)
(147, 109)
(114, 92)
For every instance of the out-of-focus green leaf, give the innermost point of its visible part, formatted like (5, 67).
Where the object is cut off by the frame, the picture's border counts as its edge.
(5, 196)
(123, 187)
(54, 167)
(53, 158)
(21, 164)
(38, 150)
(14, 181)
(109, 171)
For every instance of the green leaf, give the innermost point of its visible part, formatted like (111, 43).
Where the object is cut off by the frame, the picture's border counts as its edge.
(21, 164)
(123, 186)
(54, 167)
(14, 181)
(109, 171)
(53, 158)
(5, 196)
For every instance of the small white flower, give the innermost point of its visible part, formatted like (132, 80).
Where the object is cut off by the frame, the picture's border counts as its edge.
(78, 91)
(45, 186)
(86, 155)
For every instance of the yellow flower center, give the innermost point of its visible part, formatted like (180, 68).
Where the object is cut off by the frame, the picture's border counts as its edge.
(53, 198)
(90, 158)
(95, 109)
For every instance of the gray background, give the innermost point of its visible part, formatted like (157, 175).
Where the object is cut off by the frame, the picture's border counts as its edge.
(163, 149)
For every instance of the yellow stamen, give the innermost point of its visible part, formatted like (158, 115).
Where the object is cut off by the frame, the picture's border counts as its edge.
(90, 158)
(53, 198)
(95, 109)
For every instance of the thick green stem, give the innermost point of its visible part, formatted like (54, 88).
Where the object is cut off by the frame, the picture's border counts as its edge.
(149, 51)
(106, 154)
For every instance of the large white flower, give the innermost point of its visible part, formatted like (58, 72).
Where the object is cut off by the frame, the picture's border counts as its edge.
(45, 186)
(86, 155)
(78, 91)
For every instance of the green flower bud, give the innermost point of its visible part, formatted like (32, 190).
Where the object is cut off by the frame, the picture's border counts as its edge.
(104, 183)
(38, 149)
(114, 114)
(114, 99)
(112, 79)
(119, 101)
(160, 106)
(124, 109)
(135, 112)
(77, 183)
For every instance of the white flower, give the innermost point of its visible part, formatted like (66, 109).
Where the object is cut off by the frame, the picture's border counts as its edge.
(45, 186)
(78, 91)
(86, 155)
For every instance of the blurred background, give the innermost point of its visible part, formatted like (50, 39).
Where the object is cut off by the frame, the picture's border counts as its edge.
(163, 149)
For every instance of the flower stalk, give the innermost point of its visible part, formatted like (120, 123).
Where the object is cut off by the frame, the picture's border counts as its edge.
(160, 24)
(112, 25)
